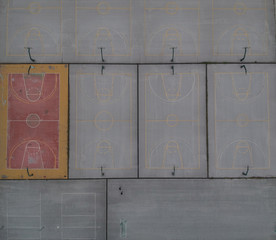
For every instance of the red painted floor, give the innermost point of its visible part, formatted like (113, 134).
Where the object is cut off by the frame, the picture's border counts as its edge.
(33, 121)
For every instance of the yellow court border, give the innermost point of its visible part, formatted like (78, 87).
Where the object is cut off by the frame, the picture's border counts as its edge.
(164, 9)
(78, 74)
(59, 53)
(61, 172)
(215, 120)
(95, 8)
(148, 120)
(234, 54)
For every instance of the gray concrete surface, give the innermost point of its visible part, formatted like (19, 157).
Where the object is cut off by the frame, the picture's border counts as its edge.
(241, 118)
(37, 25)
(137, 31)
(103, 121)
(172, 131)
(192, 209)
(209, 31)
(108, 24)
(171, 24)
(54, 210)
(240, 24)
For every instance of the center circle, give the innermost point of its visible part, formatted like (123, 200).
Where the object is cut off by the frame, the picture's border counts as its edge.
(34, 8)
(172, 120)
(242, 120)
(104, 120)
(103, 8)
(171, 8)
(33, 120)
(240, 8)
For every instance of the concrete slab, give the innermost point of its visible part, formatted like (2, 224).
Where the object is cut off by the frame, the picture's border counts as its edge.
(241, 121)
(172, 129)
(55, 210)
(103, 124)
(146, 31)
(191, 209)
(35, 25)
(100, 24)
(237, 25)
(171, 26)
(204, 31)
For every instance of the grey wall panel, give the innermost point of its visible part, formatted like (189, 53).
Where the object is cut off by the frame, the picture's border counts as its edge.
(170, 25)
(242, 127)
(37, 25)
(240, 24)
(211, 30)
(101, 24)
(55, 210)
(172, 121)
(137, 31)
(103, 124)
(192, 209)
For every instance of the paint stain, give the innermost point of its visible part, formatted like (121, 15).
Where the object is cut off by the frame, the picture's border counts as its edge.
(123, 228)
